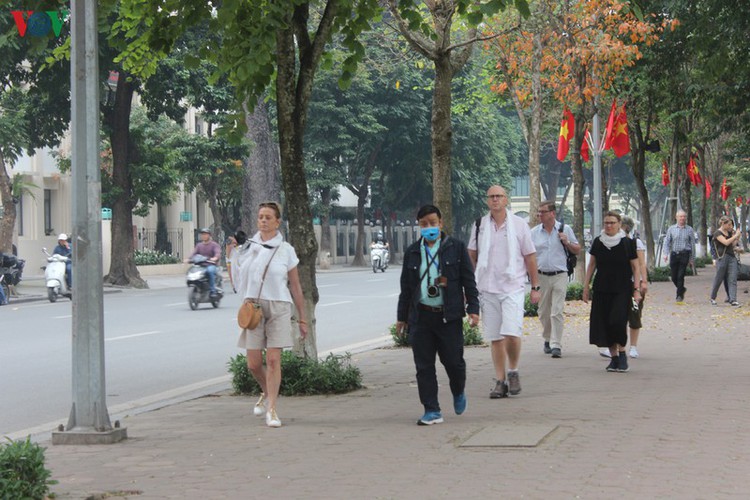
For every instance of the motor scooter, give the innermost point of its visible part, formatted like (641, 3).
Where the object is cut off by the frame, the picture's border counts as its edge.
(54, 276)
(197, 280)
(11, 269)
(379, 257)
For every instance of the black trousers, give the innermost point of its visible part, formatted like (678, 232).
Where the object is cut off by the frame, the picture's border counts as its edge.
(678, 262)
(430, 336)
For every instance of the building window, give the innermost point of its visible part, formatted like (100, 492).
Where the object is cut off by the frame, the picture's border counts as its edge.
(198, 126)
(19, 216)
(520, 186)
(48, 229)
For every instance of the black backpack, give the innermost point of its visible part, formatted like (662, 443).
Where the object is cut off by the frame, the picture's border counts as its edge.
(571, 259)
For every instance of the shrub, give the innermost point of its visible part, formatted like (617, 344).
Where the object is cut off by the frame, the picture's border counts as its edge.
(704, 261)
(472, 336)
(530, 309)
(664, 274)
(148, 257)
(22, 471)
(301, 376)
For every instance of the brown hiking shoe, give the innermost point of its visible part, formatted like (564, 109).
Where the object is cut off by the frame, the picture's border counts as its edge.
(514, 383)
(500, 390)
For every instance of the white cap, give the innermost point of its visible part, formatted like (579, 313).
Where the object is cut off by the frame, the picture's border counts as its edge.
(62, 236)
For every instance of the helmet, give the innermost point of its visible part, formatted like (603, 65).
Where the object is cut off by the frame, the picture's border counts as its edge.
(205, 230)
(62, 236)
(379, 236)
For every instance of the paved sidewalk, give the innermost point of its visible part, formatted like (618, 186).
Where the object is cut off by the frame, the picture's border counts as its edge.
(675, 426)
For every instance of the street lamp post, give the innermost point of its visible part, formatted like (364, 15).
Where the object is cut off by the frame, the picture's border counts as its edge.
(89, 421)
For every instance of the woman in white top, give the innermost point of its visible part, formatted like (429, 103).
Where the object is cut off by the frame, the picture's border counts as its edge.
(275, 292)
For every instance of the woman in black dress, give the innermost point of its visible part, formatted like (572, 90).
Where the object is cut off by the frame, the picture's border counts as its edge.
(613, 256)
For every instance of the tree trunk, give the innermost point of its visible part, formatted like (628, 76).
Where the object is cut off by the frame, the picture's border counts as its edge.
(8, 222)
(638, 165)
(292, 99)
(535, 131)
(262, 180)
(325, 220)
(361, 192)
(122, 270)
(442, 140)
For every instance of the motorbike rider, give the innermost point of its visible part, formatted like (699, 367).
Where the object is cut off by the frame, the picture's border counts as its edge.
(63, 248)
(208, 248)
(380, 242)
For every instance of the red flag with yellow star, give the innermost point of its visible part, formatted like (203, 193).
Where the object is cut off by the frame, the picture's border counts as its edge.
(708, 189)
(664, 173)
(585, 146)
(620, 138)
(610, 125)
(725, 190)
(567, 127)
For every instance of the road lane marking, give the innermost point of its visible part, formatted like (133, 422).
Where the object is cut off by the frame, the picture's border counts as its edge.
(123, 337)
(335, 303)
(175, 304)
(62, 317)
(375, 279)
(394, 294)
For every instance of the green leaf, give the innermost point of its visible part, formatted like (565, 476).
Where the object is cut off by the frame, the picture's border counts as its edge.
(523, 7)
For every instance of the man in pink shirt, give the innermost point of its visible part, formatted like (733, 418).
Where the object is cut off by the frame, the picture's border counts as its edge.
(503, 254)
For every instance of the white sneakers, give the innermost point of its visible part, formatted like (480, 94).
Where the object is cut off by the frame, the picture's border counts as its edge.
(272, 420)
(633, 352)
(604, 352)
(260, 407)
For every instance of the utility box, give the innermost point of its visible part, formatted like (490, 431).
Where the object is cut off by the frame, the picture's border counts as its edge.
(106, 214)
(186, 216)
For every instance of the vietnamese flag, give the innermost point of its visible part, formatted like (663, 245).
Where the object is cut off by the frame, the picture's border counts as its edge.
(693, 173)
(708, 189)
(738, 201)
(664, 173)
(610, 125)
(620, 137)
(725, 190)
(585, 146)
(567, 127)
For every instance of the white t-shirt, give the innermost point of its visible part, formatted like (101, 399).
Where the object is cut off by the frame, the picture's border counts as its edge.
(249, 262)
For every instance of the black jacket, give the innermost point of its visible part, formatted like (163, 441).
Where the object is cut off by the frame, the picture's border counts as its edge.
(454, 264)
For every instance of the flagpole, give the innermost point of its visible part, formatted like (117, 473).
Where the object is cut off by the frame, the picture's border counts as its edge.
(597, 222)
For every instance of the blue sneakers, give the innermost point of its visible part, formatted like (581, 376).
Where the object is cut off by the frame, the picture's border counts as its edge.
(459, 403)
(431, 417)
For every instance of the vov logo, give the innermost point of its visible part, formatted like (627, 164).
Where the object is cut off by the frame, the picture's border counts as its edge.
(39, 23)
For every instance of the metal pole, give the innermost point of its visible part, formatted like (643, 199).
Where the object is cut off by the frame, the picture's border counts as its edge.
(89, 421)
(597, 221)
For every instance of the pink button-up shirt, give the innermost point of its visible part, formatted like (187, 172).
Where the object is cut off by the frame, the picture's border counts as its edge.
(493, 280)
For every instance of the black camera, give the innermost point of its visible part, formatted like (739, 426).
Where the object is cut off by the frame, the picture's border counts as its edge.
(240, 237)
(433, 291)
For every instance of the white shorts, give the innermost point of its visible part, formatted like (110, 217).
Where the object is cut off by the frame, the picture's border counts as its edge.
(502, 315)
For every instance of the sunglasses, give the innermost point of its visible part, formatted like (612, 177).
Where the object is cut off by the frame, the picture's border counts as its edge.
(495, 196)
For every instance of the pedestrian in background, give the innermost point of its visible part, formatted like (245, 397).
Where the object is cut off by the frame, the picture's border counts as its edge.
(635, 316)
(613, 256)
(503, 255)
(725, 239)
(551, 239)
(436, 278)
(265, 270)
(678, 248)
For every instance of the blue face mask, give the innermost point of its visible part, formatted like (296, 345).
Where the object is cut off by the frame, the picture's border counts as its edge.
(430, 233)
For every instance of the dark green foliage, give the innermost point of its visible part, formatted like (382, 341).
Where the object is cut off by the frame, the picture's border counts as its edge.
(664, 274)
(530, 309)
(22, 471)
(703, 261)
(472, 336)
(575, 291)
(301, 376)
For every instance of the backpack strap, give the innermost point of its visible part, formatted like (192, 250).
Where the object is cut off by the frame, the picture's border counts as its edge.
(477, 223)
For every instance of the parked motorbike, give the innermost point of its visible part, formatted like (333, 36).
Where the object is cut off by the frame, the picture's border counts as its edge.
(54, 276)
(379, 257)
(11, 269)
(197, 281)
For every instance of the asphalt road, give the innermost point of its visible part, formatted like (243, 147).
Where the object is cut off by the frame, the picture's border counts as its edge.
(156, 348)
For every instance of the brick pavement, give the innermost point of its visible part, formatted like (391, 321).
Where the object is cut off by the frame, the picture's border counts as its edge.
(675, 426)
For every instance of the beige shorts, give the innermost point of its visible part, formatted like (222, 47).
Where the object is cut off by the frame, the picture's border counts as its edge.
(501, 316)
(275, 330)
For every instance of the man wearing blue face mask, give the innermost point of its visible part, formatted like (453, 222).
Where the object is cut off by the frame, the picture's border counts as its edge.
(436, 278)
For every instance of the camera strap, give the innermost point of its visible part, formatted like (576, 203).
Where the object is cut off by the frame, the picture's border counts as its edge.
(430, 259)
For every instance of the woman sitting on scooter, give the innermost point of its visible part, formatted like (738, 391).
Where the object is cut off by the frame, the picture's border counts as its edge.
(63, 248)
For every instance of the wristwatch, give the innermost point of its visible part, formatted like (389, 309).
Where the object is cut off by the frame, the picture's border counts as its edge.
(536, 288)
